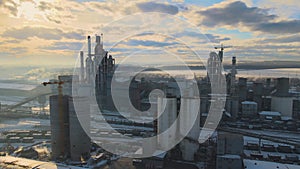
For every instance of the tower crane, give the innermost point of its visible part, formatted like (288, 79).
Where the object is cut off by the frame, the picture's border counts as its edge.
(221, 52)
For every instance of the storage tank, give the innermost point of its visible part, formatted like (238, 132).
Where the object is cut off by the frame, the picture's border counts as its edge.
(59, 121)
(167, 114)
(79, 118)
(188, 107)
(282, 87)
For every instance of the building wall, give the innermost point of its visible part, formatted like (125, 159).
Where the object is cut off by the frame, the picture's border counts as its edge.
(284, 105)
(249, 109)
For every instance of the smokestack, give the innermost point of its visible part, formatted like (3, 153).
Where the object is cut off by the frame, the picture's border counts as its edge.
(81, 67)
(89, 47)
(233, 71)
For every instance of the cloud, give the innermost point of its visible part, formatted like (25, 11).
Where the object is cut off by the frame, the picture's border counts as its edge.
(10, 6)
(158, 7)
(233, 14)
(203, 38)
(292, 26)
(65, 46)
(239, 14)
(282, 39)
(42, 33)
(44, 6)
(149, 43)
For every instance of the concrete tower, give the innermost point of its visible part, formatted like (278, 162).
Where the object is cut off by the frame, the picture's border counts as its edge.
(81, 67)
(80, 142)
(59, 121)
(89, 62)
(68, 138)
(167, 110)
(233, 72)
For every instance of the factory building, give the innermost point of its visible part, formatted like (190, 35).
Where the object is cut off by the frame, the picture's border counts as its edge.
(97, 70)
(249, 109)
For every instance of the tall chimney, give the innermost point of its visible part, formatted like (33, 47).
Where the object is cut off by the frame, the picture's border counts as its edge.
(89, 47)
(233, 71)
(81, 67)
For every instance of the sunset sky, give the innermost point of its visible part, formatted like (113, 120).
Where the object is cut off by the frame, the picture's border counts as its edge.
(34, 32)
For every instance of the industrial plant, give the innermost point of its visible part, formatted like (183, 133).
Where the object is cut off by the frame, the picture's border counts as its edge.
(259, 123)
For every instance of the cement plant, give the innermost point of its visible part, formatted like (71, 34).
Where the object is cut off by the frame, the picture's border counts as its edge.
(66, 122)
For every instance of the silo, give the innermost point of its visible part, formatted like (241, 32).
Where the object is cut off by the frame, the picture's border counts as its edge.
(59, 126)
(258, 89)
(282, 87)
(167, 110)
(188, 107)
(79, 117)
(242, 89)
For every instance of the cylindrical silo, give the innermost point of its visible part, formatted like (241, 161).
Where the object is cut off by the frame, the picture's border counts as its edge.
(59, 126)
(282, 87)
(79, 117)
(167, 114)
(189, 109)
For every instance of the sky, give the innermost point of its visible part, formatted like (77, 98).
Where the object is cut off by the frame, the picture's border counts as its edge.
(52, 32)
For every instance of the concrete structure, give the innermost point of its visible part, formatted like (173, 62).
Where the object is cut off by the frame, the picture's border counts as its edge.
(283, 105)
(258, 90)
(104, 67)
(68, 139)
(282, 101)
(233, 74)
(229, 150)
(282, 87)
(188, 106)
(189, 145)
(249, 109)
(229, 143)
(188, 149)
(242, 91)
(167, 113)
(79, 124)
(59, 121)
(81, 67)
